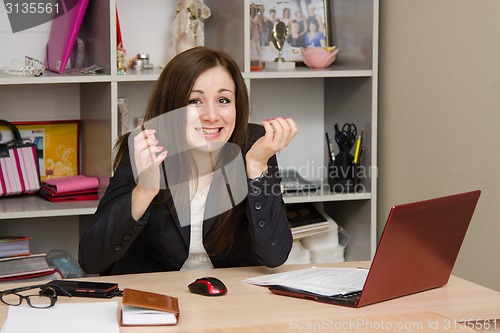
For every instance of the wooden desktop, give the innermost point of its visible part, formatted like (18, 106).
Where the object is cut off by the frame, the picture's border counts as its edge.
(250, 308)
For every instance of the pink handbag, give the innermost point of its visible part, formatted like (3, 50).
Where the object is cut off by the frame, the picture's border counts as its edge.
(19, 170)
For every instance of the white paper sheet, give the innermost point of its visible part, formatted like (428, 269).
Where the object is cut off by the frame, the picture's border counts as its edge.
(319, 280)
(98, 317)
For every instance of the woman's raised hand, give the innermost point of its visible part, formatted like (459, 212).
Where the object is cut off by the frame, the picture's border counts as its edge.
(279, 133)
(148, 156)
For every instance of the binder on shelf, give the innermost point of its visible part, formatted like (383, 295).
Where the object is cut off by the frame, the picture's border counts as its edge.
(63, 34)
(73, 188)
(73, 196)
(71, 184)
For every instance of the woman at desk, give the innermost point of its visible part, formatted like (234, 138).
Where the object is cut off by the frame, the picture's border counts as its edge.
(139, 227)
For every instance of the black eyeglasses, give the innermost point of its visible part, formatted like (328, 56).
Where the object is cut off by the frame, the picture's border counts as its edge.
(46, 297)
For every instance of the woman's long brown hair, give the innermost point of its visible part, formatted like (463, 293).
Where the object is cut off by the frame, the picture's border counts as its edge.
(171, 91)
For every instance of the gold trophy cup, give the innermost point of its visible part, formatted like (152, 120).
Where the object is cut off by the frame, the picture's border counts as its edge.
(280, 32)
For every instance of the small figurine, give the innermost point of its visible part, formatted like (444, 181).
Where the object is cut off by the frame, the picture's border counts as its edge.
(187, 28)
(121, 61)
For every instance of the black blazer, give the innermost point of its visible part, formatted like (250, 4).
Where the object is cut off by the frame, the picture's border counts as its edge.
(115, 243)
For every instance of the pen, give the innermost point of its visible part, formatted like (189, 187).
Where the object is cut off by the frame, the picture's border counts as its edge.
(331, 155)
(357, 152)
(361, 154)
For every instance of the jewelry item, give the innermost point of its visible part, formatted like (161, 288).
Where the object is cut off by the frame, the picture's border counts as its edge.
(31, 67)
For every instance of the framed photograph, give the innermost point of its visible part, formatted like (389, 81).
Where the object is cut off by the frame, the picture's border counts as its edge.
(58, 145)
(307, 22)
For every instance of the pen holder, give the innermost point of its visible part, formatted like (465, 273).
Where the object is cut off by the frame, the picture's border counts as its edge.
(342, 174)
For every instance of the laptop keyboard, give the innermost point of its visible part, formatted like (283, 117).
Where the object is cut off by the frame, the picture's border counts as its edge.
(355, 294)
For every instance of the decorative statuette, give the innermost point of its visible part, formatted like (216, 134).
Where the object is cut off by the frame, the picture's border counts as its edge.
(188, 26)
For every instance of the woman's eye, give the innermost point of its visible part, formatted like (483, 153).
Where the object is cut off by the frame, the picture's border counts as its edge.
(224, 101)
(194, 101)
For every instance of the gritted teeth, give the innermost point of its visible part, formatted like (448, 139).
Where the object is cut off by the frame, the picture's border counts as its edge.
(208, 130)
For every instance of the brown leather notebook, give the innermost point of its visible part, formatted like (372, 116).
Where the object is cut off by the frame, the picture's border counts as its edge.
(147, 308)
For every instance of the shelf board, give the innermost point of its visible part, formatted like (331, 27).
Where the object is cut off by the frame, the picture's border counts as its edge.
(298, 72)
(33, 206)
(322, 196)
(50, 77)
(152, 75)
(306, 72)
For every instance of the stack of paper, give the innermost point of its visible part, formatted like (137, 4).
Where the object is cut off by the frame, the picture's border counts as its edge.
(62, 318)
(317, 280)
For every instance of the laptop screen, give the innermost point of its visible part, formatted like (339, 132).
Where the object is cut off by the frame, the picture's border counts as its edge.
(419, 246)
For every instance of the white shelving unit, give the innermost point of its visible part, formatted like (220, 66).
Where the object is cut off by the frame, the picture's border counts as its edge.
(316, 99)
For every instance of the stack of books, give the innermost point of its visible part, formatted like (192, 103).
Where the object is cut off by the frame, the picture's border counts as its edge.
(73, 188)
(17, 263)
(306, 219)
(13, 246)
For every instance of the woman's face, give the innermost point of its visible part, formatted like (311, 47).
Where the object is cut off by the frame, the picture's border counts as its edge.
(312, 27)
(211, 115)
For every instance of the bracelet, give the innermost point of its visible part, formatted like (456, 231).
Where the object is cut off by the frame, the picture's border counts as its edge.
(262, 175)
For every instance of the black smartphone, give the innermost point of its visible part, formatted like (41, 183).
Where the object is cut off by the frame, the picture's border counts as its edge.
(86, 288)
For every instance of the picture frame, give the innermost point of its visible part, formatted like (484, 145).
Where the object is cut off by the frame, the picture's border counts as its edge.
(298, 15)
(58, 145)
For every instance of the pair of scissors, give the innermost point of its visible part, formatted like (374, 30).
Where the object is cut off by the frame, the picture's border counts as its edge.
(349, 132)
(346, 137)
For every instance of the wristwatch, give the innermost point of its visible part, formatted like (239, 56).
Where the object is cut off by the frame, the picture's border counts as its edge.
(262, 175)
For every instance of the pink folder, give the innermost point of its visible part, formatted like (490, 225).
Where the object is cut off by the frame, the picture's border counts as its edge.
(63, 34)
(71, 184)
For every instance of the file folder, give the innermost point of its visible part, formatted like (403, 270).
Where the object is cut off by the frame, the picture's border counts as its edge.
(63, 34)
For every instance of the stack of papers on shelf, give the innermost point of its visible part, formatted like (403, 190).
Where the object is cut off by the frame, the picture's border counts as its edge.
(292, 181)
(12, 246)
(74, 188)
(27, 268)
(318, 280)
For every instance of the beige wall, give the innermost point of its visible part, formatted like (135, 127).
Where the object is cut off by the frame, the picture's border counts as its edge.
(439, 115)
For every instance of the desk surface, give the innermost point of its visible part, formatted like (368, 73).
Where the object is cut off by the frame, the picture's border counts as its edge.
(249, 308)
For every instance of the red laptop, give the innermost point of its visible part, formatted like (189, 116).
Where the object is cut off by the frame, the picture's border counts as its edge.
(417, 251)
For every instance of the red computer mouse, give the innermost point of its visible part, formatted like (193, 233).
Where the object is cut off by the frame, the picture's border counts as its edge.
(208, 286)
